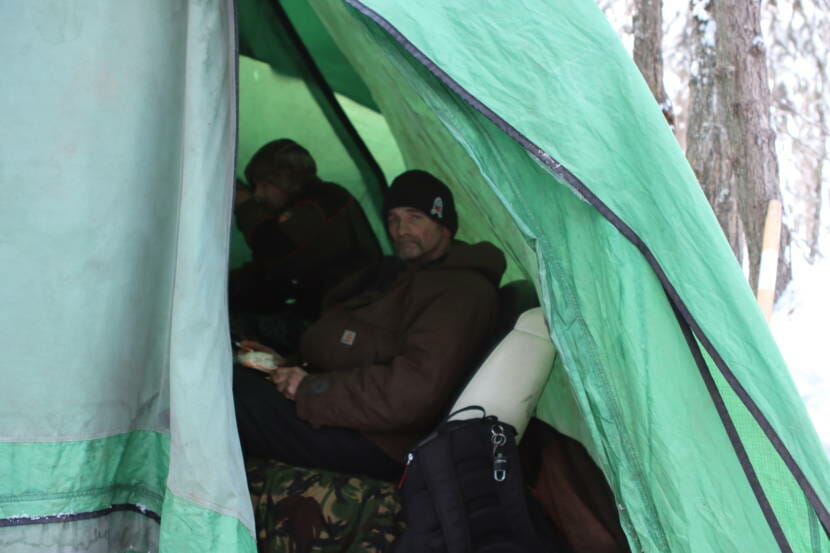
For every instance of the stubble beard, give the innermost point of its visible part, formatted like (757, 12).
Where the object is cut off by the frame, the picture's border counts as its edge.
(408, 250)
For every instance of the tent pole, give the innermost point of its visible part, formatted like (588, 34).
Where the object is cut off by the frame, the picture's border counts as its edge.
(375, 171)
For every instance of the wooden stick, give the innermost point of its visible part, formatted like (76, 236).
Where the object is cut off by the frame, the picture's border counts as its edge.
(768, 271)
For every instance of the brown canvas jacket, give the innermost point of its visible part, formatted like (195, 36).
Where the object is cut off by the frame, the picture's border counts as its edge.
(302, 250)
(387, 361)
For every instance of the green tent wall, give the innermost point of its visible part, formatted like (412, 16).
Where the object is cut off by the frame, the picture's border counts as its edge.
(117, 160)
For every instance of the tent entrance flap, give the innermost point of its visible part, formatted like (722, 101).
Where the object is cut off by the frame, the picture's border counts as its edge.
(118, 136)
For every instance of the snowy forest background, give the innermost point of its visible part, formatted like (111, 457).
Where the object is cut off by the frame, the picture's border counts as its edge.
(767, 61)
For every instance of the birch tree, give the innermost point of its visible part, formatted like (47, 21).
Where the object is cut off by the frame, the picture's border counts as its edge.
(799, 49)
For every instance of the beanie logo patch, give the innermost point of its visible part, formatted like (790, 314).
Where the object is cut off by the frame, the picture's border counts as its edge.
(437, 207)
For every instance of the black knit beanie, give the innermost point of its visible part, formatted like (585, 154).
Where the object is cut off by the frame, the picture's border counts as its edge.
(425, 192)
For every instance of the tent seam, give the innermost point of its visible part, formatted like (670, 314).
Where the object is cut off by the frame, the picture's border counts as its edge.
(46, 496)
(608, 391)
(73, 517)
(67, 439)
(734, 438)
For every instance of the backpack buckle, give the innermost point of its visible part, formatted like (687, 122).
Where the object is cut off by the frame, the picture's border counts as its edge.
(498, 437)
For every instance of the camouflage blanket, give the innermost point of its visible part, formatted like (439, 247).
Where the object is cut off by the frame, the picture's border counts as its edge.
(301, 510)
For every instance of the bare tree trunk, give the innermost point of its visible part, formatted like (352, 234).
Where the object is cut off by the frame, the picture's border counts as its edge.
(800, 35)
(743, 89)
(648, 50)
(815, 198)
(707, 146)
(785, 267)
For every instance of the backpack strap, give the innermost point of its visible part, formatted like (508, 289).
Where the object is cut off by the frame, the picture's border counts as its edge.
(513, 500)
(438, 470)
(463, 409)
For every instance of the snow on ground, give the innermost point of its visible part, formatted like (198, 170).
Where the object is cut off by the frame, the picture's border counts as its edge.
(801, 325)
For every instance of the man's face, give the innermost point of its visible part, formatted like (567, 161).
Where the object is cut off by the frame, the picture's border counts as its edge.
(271, 192)
(416, 236)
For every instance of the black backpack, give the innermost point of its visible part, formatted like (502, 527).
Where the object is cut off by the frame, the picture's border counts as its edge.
(462, 492)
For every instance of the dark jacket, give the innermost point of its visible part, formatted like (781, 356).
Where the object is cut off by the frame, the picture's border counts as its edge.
(388, 360)
(301, 251)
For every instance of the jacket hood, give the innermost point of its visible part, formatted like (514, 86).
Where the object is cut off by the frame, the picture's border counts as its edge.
(483, 257)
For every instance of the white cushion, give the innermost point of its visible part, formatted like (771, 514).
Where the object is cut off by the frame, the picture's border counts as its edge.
(510, 380)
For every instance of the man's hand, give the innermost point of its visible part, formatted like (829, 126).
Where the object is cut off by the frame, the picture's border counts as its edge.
(287, 380)
(250, 345)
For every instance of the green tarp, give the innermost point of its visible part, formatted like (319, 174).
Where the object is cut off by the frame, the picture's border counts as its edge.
(117, 430)
(117, 158)
(510, 120)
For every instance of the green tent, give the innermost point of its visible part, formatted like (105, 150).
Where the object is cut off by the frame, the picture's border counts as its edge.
(117, 159)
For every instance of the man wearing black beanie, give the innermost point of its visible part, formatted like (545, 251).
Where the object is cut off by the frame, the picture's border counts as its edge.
(414, 204)
(390, 350)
